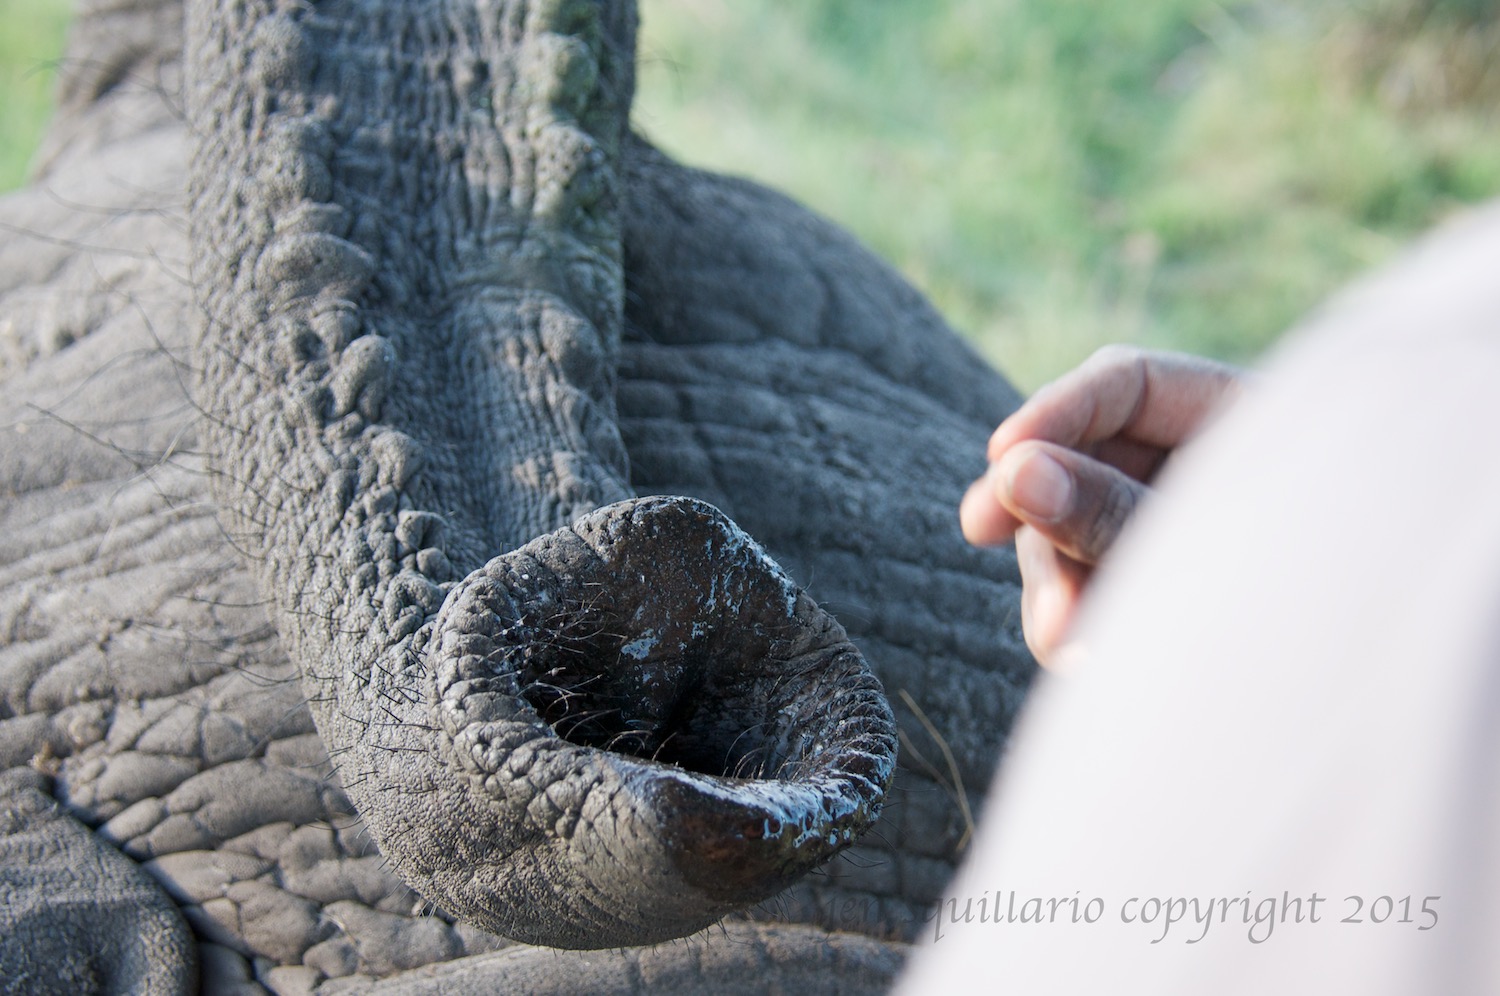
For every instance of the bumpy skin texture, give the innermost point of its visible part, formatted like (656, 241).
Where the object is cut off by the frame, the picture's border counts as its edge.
(755, 358)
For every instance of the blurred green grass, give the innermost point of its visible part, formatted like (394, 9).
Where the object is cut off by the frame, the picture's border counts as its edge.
(1180, 173)
(31, 40)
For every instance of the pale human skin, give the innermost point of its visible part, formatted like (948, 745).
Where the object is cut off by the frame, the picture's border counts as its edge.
(1068, 469)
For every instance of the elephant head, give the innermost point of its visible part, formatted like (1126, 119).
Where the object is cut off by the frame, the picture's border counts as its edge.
(463, 345)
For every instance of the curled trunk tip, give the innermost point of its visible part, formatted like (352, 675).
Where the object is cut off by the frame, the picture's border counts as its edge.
(672, 730)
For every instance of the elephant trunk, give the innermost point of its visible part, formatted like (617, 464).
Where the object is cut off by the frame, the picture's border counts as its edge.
(407, 253)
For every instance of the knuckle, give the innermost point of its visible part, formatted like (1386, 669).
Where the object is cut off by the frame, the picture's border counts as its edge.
(1107, 519)
(1117, 354)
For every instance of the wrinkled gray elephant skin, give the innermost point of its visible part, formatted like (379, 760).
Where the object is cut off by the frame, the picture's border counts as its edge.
(438, 524)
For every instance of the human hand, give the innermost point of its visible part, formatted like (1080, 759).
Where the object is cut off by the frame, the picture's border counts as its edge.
(1068, 468)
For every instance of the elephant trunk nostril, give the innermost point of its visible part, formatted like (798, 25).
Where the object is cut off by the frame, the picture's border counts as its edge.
(666, 709)
(672, 640)
(650, 667)
(655, 628)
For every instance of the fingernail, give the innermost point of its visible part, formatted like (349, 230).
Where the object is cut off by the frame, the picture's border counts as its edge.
(1040, 487)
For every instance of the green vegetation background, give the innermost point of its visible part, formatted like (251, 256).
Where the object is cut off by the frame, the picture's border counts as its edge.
(1057, 175)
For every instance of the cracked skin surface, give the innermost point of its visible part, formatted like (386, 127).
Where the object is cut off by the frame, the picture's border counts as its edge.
(762, 363)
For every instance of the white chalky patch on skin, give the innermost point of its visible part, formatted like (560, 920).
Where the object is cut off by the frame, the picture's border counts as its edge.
(641, 647)
(742, 543)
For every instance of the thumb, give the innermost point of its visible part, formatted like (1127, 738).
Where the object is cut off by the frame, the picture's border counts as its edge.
(1075, 501)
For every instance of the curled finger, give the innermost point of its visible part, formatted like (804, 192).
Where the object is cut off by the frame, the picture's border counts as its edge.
(1051, 586)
